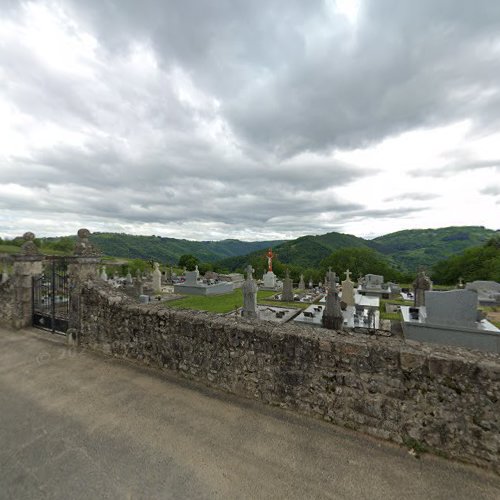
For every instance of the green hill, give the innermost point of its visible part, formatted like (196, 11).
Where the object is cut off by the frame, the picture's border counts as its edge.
(425, 247)
(404, 250)
(476, 263)
(168, 250)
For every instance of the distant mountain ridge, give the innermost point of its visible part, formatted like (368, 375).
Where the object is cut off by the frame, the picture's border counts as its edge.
(406, 250)
(168, 250)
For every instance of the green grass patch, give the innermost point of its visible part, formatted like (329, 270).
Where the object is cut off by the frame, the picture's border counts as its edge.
(278, 303)
(392, 316)
(217, 303)
(9, 249)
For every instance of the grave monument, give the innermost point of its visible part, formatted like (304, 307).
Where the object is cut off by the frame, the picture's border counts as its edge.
(269, 278)
(348, 290)
(332, 315)
(249, 289)
(287, 294)
(302, 285)
(421, 285)
(156, 281)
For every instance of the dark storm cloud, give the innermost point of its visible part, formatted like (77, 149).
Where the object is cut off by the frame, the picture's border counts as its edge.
(292, 76)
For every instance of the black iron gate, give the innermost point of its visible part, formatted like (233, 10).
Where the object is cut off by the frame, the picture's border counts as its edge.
(51, 296)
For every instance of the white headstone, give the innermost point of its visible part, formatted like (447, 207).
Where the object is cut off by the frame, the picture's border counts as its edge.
(104, 275)
(348, 290)
(269, 280)
(191, 278)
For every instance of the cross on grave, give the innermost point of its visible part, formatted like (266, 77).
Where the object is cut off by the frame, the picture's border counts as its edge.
(348, 275)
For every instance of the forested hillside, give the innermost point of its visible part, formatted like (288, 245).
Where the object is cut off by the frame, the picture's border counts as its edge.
(405, 251)
(477, 263)
(168, 250)
(425, 247)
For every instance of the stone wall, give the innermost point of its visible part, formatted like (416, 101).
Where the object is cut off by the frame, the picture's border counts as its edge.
(7, 303)
(443, 399)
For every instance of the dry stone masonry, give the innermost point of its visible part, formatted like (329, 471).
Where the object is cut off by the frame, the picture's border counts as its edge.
(443, 399)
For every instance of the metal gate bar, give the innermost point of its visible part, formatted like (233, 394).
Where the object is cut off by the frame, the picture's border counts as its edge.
(50, 295)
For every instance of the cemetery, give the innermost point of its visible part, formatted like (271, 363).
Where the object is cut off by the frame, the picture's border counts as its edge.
(258, 341)
(451, 318)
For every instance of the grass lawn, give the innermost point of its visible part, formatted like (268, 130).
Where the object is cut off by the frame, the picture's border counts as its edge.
(9, 249)
(224, 303)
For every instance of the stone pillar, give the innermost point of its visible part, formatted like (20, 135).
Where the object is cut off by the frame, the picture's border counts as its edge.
(27, 265)
(83, 266)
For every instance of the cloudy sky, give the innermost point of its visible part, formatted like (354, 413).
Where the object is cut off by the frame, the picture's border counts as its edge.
(247, 119)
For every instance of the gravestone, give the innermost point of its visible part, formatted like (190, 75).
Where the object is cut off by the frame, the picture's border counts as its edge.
(452, 308)
(421, 285)
(249, 289)
(373, 281)
(348, 290)
(287, 294)
(269, 280)
(104, 275)
(331, 278)
(310, 283)
(128, 278)
(191, 278)
(302, 285)
(332, 315)
(156, 278)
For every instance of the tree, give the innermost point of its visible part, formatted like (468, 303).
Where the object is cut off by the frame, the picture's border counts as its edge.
(188, 261)
(359, 261)
(64, 244)
(477, 263)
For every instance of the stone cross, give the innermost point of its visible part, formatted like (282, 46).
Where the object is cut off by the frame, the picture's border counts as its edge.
(348, 275)
(420, 286)
(348, 290)
(249, 289)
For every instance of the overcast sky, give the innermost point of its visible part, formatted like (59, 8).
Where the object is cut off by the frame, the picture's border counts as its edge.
(249, 119)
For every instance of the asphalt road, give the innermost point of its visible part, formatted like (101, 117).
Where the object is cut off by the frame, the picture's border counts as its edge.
(77, 425)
